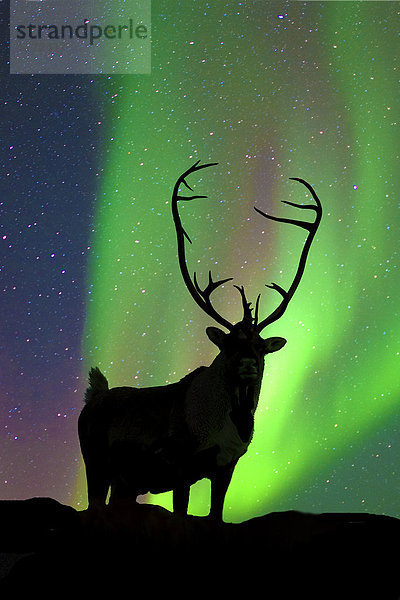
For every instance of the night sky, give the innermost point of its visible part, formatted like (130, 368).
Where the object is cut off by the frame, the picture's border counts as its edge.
(89, 274)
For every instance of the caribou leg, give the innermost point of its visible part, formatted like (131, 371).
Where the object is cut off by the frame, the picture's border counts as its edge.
(219, 485)
(98, 484)
(180, 498)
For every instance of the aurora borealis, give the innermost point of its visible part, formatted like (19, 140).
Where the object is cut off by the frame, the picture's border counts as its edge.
(269, 91)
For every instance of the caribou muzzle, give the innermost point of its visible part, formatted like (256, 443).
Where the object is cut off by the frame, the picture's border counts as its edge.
(248, 369)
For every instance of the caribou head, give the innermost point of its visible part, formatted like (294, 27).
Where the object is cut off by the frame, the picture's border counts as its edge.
(243, 340)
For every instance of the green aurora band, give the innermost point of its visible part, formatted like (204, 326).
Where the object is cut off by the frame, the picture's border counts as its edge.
(311, 94)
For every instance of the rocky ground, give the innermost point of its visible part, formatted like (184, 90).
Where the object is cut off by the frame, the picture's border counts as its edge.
(132, 550)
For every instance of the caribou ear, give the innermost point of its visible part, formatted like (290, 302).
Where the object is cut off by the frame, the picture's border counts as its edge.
(273, 344)
(216, 336)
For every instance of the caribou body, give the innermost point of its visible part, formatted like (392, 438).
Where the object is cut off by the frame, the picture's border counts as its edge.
(139, 440)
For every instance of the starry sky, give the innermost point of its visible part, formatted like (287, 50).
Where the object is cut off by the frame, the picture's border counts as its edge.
(89, 274)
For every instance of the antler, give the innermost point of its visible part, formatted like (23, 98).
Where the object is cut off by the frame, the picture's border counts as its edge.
(312, 229)
(200, 296)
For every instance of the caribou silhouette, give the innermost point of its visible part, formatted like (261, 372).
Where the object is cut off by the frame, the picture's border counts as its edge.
(139, 440)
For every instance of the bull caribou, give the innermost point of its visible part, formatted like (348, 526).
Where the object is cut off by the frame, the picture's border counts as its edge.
(138, 440)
